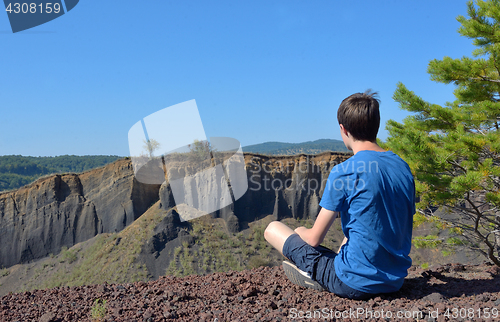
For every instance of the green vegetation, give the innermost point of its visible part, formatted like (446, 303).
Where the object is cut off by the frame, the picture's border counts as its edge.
(4, 272)
(113, 258)
(446, 253)
(419, 219)
(17, 171)
(150, 146)
(216, 250)
(454, 241)
(199, 154)
(68, 255)
(454, 150)
(200, 151)
(430, 241)
(99, 310)
(310, 147)
(110, 258)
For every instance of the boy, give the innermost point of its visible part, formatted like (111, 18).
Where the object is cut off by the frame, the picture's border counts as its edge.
(374, 192)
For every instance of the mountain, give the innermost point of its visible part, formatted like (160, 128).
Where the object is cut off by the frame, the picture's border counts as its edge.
(309, 147)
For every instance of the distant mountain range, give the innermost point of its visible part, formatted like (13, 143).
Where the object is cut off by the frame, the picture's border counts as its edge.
(309, 147)
(17, 171)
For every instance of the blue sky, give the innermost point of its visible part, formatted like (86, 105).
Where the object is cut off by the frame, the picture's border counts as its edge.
(258, 70)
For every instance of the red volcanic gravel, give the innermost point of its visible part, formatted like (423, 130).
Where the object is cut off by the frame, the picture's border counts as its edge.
(450, 292)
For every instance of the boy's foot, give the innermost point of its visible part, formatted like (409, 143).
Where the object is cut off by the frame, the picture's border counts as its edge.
(300, 278)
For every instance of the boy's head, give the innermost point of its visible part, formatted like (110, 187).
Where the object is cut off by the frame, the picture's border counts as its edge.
(360, 116)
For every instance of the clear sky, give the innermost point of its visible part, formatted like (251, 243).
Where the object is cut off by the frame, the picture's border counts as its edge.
(259, 70)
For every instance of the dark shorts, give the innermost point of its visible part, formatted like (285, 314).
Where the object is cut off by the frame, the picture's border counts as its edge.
(318, 263)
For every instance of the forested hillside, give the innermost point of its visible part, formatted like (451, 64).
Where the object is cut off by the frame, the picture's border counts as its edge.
(309, 147)
(17, 171)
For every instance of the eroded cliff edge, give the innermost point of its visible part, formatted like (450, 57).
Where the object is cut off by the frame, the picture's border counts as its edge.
(281, 186)
(65, 209)
(285, 186)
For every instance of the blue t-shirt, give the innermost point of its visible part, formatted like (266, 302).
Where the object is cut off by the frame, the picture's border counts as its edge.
(375, 195)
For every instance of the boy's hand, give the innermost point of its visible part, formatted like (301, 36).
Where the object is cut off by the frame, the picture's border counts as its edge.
(300, 230)
(308, 236)
(303, 233)
(315, 235)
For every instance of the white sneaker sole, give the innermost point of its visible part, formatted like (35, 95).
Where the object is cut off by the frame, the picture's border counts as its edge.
(299, 277)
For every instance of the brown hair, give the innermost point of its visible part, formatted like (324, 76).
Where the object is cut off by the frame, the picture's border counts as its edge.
(360, 116)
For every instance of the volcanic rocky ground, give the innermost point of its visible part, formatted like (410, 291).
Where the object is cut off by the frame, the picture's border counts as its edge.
(442, 293)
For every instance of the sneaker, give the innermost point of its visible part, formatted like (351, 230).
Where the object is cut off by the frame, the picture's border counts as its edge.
(299, 277)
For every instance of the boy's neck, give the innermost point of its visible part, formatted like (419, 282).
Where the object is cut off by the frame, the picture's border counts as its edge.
(357, 146)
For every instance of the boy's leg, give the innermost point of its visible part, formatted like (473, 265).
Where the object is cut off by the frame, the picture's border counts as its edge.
(276, 234)
(308, 257)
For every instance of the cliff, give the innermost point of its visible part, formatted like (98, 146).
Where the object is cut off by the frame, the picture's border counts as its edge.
(280, 186)
(65, 210)
(285, 186)
(62, 210)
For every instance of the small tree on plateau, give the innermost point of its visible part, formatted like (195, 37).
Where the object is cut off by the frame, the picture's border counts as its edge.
(454, 150)
(150, 146)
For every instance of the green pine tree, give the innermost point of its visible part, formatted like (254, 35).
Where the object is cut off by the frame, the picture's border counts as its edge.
(454, 150)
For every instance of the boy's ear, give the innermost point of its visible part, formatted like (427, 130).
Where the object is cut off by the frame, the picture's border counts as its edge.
(343, 130)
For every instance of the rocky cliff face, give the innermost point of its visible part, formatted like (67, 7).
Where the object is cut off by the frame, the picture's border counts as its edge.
(285, 186)
(62, 210)
(288, 186)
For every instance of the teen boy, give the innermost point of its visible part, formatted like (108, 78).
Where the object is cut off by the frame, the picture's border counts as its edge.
(374, 192)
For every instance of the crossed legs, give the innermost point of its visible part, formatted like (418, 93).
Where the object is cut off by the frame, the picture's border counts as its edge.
(277, 233)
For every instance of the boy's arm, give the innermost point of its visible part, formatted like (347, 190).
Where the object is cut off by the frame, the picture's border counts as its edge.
(317, 233)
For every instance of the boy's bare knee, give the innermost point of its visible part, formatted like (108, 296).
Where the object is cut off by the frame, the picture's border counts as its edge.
(271, 229)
